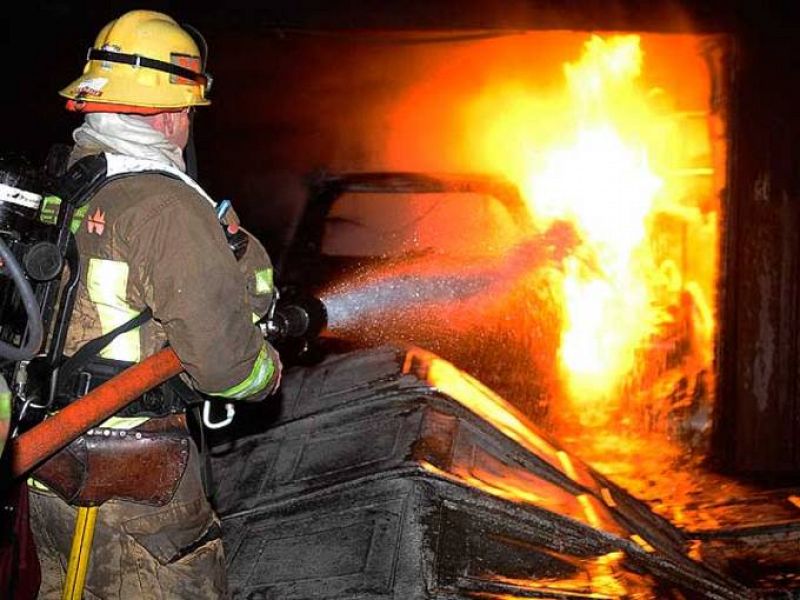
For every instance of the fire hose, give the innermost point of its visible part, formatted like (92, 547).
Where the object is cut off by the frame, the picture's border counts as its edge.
(301, 320)
(53, 434)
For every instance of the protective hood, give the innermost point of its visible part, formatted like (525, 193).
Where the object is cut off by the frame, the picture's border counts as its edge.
(129, 135)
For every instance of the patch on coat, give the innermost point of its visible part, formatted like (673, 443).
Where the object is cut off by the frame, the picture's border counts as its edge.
(96, 222)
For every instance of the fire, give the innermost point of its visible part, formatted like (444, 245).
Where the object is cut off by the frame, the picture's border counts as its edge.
(604, 183)
(601, 162)
(618, 136)
(607, 306)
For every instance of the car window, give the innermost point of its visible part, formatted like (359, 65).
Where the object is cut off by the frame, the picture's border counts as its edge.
(394, 224)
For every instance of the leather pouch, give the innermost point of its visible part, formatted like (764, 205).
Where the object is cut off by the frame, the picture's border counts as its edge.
(113, 464)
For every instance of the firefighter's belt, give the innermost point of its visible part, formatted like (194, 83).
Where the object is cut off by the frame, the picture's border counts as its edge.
(168, 398)
(141, 465)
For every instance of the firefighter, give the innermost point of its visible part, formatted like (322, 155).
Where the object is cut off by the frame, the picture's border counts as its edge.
(150, 243)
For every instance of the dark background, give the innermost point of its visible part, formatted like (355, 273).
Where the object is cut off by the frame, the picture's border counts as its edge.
(273, 60)
(257, 48)
(270, 59)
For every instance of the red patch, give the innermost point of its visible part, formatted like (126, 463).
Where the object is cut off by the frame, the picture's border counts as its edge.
(187, 62)
(97, 222)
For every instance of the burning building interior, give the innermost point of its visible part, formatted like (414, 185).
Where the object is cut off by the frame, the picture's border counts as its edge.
(538, 302)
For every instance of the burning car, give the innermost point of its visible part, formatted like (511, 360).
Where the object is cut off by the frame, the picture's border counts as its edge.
(388, 472)
(577, 281)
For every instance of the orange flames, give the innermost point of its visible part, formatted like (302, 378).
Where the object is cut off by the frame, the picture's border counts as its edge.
(602, 180)
(604, 153)
(625, 144)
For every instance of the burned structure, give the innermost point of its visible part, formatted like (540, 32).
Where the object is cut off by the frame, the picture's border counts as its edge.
(389, 473)
(402, 215)
(590, 212)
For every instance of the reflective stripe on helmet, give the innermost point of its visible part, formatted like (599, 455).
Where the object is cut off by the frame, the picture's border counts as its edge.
(107, 283)
(84, 106)
(259, 378)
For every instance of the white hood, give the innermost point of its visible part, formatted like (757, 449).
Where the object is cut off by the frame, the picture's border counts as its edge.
(129, 135)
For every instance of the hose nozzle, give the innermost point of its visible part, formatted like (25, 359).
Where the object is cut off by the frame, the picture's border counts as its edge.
(296, 316)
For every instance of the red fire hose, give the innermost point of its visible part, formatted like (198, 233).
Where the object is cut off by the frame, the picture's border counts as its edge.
(48, 437)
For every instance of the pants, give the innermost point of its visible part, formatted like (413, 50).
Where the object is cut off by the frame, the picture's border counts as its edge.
(139, 551)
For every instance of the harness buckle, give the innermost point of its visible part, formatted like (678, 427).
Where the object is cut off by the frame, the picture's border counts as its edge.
(84, 383)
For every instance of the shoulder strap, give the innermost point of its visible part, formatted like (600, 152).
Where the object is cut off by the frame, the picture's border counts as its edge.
(77, 187)
(87, 175)
(92, 348)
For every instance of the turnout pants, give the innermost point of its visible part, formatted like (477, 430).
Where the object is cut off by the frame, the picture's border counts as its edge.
(139, 551)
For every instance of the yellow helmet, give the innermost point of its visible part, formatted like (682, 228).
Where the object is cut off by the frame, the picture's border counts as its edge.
(143, 62)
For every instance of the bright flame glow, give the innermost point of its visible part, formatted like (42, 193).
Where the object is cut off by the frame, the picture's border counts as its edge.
(605, 184)
(620, 139)
(603, 163)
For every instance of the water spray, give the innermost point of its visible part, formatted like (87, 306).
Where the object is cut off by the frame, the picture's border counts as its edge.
(376, 298)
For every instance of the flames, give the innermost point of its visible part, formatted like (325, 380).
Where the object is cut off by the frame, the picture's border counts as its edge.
(601, 154)
(607, 303)
(618, 136)
(602, 180)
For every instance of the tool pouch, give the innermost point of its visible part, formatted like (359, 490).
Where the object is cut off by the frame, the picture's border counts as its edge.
(112, 464)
